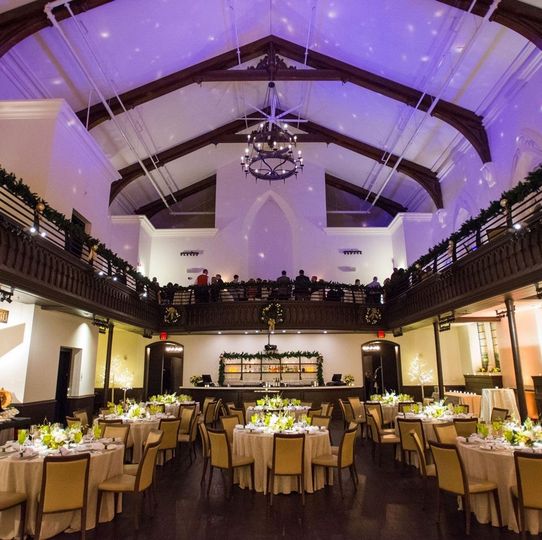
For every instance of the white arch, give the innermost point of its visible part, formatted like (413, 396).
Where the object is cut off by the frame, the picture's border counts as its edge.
(260, 201)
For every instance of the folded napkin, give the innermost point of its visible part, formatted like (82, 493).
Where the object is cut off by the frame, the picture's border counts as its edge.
(64, 451)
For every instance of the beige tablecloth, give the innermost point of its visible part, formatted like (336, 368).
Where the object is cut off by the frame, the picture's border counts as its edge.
(496, 466)
(139, 429)
(503, 398)
(467, 398)
(25, 476)
(260, 447)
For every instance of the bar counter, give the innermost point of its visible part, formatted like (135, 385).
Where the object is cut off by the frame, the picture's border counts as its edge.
(240, 394)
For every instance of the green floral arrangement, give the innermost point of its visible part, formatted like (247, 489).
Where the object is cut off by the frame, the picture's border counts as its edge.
(183, 398)
(54, 436)
(154, 408)
(277, 402)
(137, 411)
(526, 434)
(390, 398)
(437, 409)
(482, 429)
(196, 379)
(375, 397)
(115, 409)
(165, 399)
(349, 379)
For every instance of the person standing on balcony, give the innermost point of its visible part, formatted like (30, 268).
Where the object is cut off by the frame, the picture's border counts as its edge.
(283, 286)
(302, 286)
(202, 286)
(374, 291)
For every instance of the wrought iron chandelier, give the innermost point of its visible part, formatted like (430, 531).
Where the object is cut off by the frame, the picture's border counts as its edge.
(271, 152)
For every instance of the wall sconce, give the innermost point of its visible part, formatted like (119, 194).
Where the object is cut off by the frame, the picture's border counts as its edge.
(190, 253)
(352, 251)
(102, 324)
(445, 322)
(502, 313)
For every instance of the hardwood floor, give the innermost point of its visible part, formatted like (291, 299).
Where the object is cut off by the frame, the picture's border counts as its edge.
(387, 505)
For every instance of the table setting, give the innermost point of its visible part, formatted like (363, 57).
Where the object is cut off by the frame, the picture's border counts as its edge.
(489, 455)
(389, 402)
(278, 404)
(172, 402)
(21, 463)
(255, 439)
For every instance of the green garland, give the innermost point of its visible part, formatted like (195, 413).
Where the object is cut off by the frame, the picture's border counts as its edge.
(221, 369)
(23, 192)
(320, 371)
(531, 184)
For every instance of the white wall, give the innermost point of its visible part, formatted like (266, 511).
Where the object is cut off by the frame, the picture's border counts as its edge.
(15, 337)
(53, 153)
(51, 331)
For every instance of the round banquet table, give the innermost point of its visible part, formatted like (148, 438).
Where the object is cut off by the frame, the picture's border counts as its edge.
(296, 412)
(24, 475)
(496, 466)
(389, 412)
(260, 447)
(503, 398)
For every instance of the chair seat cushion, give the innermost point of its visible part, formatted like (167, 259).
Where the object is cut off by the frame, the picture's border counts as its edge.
(387, 431)
(10, 499)
(122, 482)
(389, 438)
(131, 468)
(240, 461)
(431, 470)
(183, 437)
(328, 460)
(480, 486)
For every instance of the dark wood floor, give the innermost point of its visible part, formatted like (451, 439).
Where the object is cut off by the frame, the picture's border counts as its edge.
(387, 506)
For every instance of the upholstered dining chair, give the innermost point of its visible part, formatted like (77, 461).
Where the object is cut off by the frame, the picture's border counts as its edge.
(72, 421)
(465, 426)
(127, 483)
(358, 410)
(205, 449)
(240, 413)
(170, 429)
(325, 407)
(427, 470)
(153, 436)
(379, 438)
(498, 414)
(64, 488)
(182, 407)
(321, 421)
(219, 411)
(228, 425)
(190, 438)
(445, 432)
(406, 426)
(288, 460)
(346, 411)
(316, 411)
(375, 408)
(11, 499)
(206, 402)
(209, 414)
(247, 405)
(119, 432)
(344, 459)
(222, 458)
(527, 493)
(83, 416)
(103, 422)
(452, 478)
(229, 406)
(187, 413)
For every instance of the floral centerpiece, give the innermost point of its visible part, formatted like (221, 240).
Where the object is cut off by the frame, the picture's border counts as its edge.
(527, 434)
(137, 410)
(165, 399)
(54, 436)
(184, 398)
(349, 379)
(438, 409)
(390, 398)
(196, 379)
(276, 402)
(273, 422)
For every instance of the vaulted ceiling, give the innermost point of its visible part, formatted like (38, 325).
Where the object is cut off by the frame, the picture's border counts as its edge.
(387, 88)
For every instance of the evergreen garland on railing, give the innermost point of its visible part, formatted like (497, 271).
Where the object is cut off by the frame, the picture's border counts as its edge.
(23, 192)
(274, 355)
(531, 184)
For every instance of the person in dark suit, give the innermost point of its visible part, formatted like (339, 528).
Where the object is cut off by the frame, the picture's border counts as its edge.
(302, 286)
(284, 287)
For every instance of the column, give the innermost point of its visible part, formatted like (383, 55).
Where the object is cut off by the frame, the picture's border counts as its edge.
(440, 378)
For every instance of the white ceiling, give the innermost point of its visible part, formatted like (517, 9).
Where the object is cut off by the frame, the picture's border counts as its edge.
(403, 40)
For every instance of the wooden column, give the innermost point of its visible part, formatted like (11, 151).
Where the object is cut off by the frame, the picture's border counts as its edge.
(522, 402)
(440, 378)
(107, 371)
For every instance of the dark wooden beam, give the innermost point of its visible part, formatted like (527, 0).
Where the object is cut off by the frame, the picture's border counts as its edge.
(154, 207)
(424, 176)
(480, 8)
(523, 18)
(316, 134)
(185, 77)
(469, 124)
(20, 23)
(477, 319)
(131, 172)
(324, 67)
(388, 205)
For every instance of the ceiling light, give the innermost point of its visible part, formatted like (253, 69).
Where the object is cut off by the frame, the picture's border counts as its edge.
(269, 154)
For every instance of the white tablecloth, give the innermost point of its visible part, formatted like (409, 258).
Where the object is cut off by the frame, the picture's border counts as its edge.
(468, 398)
(25, 476)
(260, 447)
(504, 398)
(496, 466)
(139, 429)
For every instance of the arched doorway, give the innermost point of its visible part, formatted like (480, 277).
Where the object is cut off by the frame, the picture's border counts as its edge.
(163, 368)
(381, 361)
